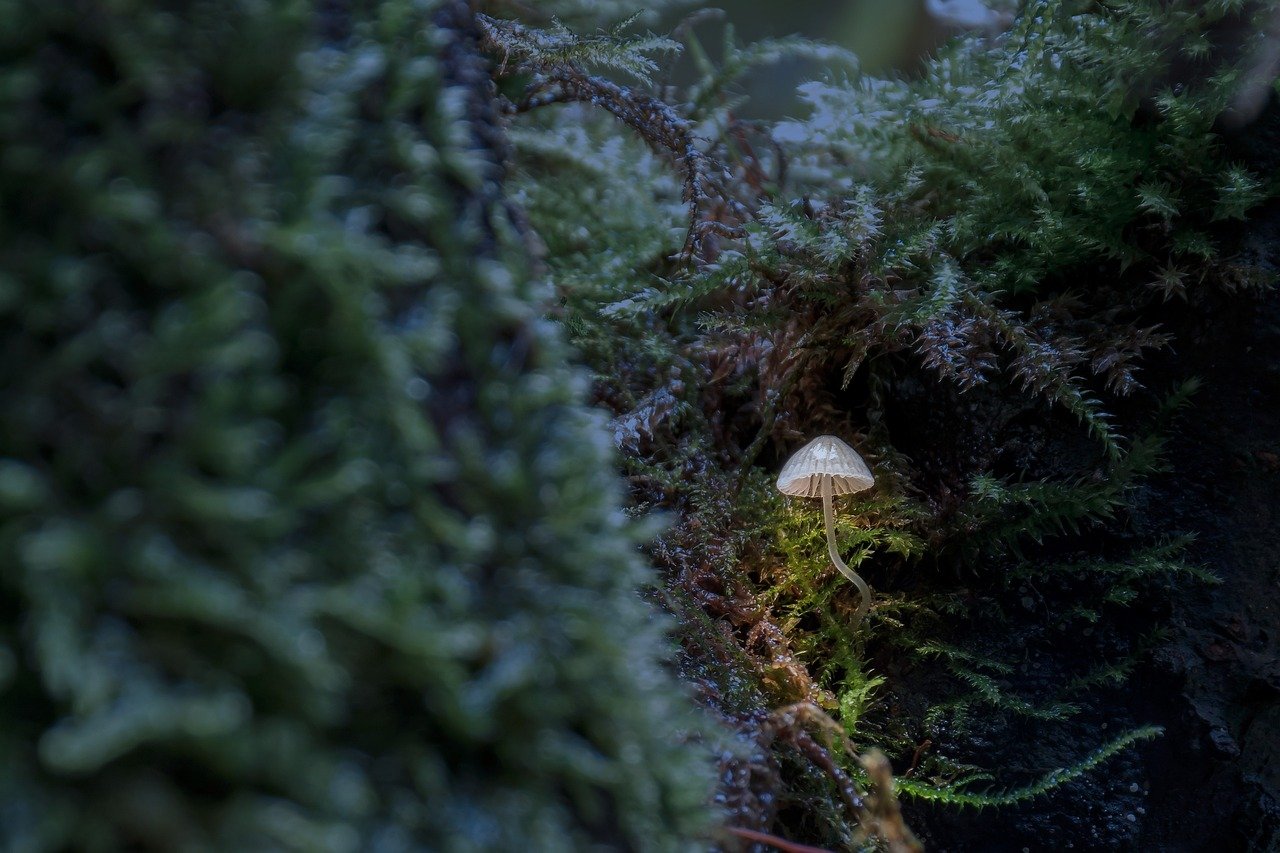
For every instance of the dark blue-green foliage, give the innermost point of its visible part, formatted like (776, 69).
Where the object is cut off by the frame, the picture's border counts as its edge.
(1010, 219)
(308, 541)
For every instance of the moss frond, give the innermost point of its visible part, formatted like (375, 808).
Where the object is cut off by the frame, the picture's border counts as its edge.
(961, 797)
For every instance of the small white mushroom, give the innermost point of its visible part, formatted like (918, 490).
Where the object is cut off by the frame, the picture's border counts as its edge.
(824, 467)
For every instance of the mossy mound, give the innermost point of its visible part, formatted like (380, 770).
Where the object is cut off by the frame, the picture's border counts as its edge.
(309, 540)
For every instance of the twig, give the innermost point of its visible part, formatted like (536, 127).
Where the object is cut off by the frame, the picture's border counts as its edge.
(883, 818)
(915, 759)
(657, 122)
(774, 841)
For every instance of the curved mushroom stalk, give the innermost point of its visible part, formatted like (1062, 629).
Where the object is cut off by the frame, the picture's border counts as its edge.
(827, 466)
(863, 589)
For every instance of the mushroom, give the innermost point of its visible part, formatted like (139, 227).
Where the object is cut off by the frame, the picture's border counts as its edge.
(827, 466)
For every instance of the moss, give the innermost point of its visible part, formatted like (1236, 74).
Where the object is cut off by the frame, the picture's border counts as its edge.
(311, 542)
(313, 539)
(962, 272)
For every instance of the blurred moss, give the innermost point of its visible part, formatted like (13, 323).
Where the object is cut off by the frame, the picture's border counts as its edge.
(882, 35)
(310, 541)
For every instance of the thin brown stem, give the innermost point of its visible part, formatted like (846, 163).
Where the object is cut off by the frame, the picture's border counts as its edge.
(774, 841)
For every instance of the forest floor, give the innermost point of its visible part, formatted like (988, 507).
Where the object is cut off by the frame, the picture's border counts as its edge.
(1215, 685)
(1212, 781)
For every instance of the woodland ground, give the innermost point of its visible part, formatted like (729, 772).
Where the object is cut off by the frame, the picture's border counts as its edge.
(1212, 781)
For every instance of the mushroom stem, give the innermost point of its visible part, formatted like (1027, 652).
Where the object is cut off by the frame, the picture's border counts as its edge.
(863, 589)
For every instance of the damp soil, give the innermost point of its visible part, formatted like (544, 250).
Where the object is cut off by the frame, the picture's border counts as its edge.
(1215, 685)
(1211, 782)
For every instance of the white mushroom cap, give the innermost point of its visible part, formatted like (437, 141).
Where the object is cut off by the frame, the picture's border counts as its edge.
(825, 456)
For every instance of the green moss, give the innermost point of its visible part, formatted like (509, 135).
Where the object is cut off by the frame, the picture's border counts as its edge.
(310, 540)
(960, 272)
